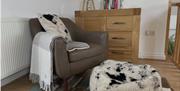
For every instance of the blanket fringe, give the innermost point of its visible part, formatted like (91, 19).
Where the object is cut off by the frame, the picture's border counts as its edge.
(44, 86)
(35, 79)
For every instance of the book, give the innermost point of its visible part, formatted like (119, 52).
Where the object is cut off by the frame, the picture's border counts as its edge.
(112, 4)
(106, 4)
(115, 4)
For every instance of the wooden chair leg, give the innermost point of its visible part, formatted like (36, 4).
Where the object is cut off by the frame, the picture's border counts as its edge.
(65, 84)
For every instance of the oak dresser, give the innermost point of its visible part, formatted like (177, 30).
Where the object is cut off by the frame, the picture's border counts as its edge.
(123, 27)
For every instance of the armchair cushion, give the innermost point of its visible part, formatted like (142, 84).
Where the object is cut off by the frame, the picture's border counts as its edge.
(94, 50)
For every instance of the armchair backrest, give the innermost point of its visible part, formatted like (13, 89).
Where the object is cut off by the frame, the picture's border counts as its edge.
(36, 27)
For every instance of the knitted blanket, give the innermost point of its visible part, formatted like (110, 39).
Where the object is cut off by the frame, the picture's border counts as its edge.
(41, 70)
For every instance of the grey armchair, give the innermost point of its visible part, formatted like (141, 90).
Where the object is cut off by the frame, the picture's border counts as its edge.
(66, 63)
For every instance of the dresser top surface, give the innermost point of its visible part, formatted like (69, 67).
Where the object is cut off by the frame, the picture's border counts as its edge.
(126, 11)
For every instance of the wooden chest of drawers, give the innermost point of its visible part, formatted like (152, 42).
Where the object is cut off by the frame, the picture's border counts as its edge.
(122, 26)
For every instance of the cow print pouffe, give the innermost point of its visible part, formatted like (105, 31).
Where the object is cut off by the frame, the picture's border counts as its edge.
(123, 76)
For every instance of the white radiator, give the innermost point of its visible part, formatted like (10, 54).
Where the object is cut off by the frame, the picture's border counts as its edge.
(15, 46)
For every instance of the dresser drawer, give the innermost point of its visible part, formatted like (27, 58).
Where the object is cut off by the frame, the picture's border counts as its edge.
(119, 23)
(94, 23)
(120, 39)
(119, 54)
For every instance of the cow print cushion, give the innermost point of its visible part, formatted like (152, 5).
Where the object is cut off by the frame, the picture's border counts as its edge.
(52, 23)
(123, 76)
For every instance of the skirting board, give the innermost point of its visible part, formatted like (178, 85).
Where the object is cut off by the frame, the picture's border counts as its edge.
(13, 77)
(159, 56)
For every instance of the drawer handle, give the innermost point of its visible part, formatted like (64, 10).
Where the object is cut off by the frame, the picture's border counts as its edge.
(121, 53)
(119, 38)
(119, 23)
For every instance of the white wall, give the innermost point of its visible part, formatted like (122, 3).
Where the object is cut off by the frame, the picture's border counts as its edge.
(69, 6)
(29, 8)
(153, 18)
(0, 59)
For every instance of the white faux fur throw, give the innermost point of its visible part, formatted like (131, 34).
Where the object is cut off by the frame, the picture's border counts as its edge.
(114, 75)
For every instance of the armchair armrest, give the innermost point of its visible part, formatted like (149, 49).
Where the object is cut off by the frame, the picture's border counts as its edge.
(97, 37)
(62, 65)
